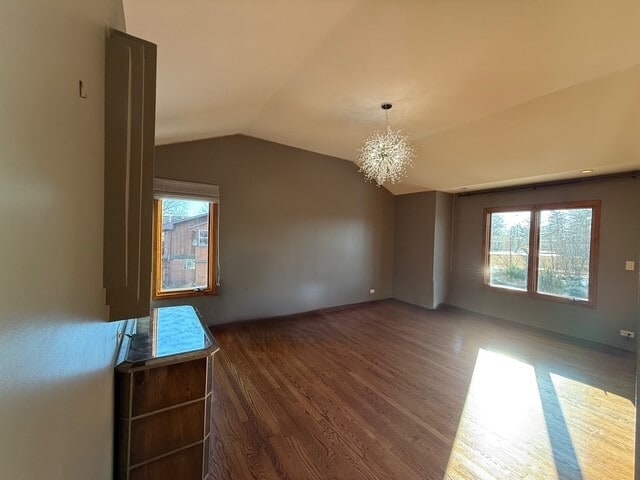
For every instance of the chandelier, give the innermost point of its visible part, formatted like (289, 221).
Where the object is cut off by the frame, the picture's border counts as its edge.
(385, 155)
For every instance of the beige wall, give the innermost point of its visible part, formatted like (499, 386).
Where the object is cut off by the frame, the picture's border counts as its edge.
(298, 230)
(617, 289)
(56, 348)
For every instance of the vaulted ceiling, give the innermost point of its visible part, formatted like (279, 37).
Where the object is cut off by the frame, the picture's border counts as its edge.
(491, 93)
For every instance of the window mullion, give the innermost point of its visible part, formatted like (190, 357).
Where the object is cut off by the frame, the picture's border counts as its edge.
(556, 259)
(534, 245)
(213, 247)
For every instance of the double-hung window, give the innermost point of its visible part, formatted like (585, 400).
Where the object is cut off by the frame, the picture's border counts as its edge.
(185, 239)
(547, 251)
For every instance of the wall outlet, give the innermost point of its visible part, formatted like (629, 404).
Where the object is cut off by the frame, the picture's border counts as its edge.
(627, 333)
(630, 265)
(372, 290)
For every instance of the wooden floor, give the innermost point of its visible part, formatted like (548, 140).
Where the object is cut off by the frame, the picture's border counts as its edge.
(390, 391)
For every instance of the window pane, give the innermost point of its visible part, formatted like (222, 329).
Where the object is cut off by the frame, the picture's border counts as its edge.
(565, 251)
(185, 251)
(509, 249)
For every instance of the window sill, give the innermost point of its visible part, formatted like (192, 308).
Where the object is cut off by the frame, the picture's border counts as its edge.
(184, 294)
(541, 296)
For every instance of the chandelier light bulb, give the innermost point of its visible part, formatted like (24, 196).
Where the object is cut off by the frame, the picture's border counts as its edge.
(385, 156)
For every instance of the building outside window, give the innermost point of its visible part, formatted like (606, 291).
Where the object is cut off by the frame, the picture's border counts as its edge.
(185, 262)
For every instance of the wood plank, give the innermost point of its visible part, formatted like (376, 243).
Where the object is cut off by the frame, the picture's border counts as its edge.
(185, 465)
(387, 390)
(162, 387)
(166, 431)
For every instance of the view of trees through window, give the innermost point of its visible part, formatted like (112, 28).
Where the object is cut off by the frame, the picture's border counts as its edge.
(562, 256)
(509, 252)
(565, 252)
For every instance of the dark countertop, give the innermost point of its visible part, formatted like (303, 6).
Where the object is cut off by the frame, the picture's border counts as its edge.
(168, 335)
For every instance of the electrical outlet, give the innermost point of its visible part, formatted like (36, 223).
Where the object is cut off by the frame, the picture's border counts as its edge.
(372, 290)
(630, 265)
(627, 333)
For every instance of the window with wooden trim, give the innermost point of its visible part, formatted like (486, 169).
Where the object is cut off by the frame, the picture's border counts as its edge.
(545, 251)
(185, 260)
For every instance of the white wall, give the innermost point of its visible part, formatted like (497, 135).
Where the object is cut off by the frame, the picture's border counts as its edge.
(56, 350)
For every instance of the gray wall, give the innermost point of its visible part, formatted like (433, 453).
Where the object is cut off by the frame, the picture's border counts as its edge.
(56, 372)
(637, 447)
(617, 289)
(413, 248)
(298, 230)
(442, 247)
(422, 248)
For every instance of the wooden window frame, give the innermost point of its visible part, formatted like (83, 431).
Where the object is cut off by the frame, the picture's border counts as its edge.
(212, 288)
(534, 243)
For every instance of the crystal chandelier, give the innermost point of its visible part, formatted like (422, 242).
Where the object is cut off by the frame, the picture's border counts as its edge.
(385, 156)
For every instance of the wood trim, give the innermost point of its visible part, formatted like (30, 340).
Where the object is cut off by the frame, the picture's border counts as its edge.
(544, 206)
(595, 253)
(213, 247)
(534, 245)
(182, 294)
(539, 296)
(212, 287)
(157, 246)
(486, 245)
(167, 454)
(632, 174)
(171, 407)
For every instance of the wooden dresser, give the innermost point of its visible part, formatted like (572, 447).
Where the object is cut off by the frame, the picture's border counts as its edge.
(163, 397)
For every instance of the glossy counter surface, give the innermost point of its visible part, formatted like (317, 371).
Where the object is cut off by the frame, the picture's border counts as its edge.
(168, 335)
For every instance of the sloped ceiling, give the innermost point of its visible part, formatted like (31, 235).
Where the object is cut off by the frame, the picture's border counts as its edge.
(492, 92)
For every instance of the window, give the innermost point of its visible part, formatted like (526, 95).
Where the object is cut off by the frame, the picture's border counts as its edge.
(203, 238)
(546, 251)
(185, 260)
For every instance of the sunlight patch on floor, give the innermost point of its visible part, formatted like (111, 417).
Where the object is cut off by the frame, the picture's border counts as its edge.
(502, 431)
(594, 417)
(521, 421)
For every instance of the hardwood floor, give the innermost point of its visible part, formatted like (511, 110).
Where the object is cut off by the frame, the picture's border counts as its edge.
(391, 391)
